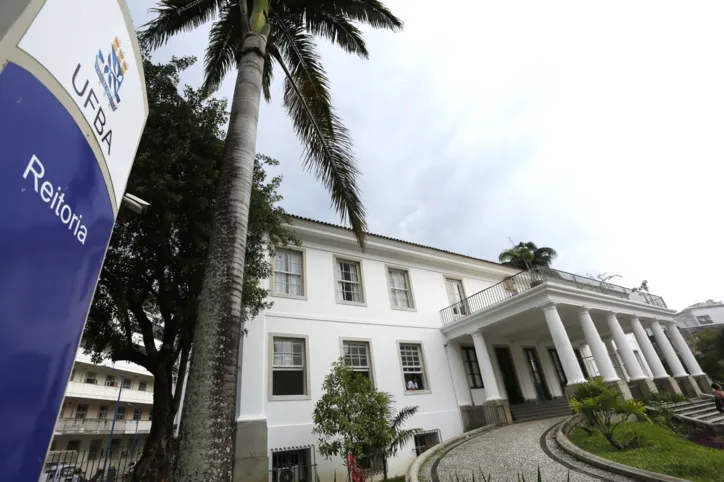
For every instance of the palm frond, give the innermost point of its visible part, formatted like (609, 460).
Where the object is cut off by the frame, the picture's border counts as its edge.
(401, 416)
(338, 30)
(328, 146)
(175, 16)
(368, 12)
(268, 73)
(225, 40)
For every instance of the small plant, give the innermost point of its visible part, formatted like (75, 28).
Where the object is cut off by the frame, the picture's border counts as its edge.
(489, 477)
(604, 409)
(662, 406)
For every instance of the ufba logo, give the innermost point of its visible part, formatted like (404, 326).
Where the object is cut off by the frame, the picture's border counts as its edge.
(111, 70)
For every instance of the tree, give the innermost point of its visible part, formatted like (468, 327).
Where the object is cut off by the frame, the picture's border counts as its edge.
(710, 352)
(527, 255)
(352, 416)
(152, 275)
(644, 286)
(254, 36)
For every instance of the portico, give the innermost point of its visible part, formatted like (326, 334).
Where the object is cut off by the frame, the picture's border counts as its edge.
(539, 333)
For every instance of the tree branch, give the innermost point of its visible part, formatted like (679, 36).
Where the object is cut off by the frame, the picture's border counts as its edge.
(146, 327)
(129, 353)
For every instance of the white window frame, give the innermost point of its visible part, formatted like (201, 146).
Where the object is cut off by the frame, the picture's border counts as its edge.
(144, 385)
(84, 413)
(303, 277)
(370, 355)
(110, 379)
(464, 308)
(706, 320)
(337, 287)
(129, 382)
(118, 412)
(423, 372)
(94, 378)
(305, 369)
(412, 306)
(103, 412)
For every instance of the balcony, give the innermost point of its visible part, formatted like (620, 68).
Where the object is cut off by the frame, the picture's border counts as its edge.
(96, 425)
(102, 392)
(529, 279)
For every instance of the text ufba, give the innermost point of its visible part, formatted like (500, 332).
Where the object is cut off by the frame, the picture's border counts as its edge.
(56, 198)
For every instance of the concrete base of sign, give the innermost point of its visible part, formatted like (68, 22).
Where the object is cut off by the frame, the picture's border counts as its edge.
(704, 383)
(688, 386)
(667, 384)
(251, 460)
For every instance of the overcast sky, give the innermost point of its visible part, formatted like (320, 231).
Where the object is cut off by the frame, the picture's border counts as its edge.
(593, 129)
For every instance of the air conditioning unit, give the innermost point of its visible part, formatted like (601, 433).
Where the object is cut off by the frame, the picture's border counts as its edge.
(288, 474)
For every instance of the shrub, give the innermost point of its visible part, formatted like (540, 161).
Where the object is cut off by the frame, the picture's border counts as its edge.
(604, 409)
(662, 406)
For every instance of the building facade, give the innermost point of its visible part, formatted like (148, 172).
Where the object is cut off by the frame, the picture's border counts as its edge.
(466, 340)
(83, 429)
(699, 317)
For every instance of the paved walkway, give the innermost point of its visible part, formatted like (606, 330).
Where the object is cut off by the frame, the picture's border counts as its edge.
(507, 451)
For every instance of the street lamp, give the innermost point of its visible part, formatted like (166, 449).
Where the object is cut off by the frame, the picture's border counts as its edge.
(113, 424)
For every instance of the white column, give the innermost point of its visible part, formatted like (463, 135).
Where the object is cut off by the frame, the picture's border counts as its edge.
(563, 345)
(633, 368)
(683, 348)
(657, 368)
(598, 349)
(665, 346)
(613, 352)
(486, 368)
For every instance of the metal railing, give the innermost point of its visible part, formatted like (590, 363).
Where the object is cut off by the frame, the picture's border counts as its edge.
(62, 465)
(526, 280)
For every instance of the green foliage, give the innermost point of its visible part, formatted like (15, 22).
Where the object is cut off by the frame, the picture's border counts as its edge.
(662, 406)
(660, 451)
(520, 476)
(528, 255)
(604, 408)
(155, 263)
(710, 353)
(352, 415)
(644, 286)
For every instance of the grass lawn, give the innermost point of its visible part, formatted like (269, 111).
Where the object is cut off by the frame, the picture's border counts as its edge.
(661, 451)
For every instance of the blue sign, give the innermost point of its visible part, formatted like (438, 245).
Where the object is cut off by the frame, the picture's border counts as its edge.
(55, 222)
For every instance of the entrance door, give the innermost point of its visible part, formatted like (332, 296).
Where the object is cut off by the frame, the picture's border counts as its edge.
(456, 295)
(560, 373)
(510, 379)
(536, 371)
(581, 363)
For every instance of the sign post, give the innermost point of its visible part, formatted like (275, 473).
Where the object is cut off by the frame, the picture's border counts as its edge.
(72, 110)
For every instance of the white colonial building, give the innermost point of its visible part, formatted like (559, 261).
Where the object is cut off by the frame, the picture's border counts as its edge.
(471, 342)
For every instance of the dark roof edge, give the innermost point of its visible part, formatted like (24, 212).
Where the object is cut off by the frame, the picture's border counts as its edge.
(324, 223)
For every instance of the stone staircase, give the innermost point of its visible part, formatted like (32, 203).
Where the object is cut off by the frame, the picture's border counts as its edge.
(539, 409)
(700, 410)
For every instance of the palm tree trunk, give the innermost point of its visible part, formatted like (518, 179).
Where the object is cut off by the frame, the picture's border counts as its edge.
(206, 445)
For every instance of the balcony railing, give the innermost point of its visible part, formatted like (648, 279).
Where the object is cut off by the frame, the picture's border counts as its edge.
(100, 425)
(525, 280)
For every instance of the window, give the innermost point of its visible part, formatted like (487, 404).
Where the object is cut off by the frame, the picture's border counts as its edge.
(288, 367)
(127, 383)
(426, 440)
(472, 370)
(81, 411)
(103, 412)
(95, 449)
(357, 356)
(110, 381)
(413, 369)
(704, 320)
(456, 296)
(292, 465)
(90, 377)
(121, 414)
(641, 362)
(136, 414)
(400, 291)
(52, 445)
(115, 447)
(72, 375)
(371, 462)
(288, 272)
(73, 445)
(349, 282)
(141, 386)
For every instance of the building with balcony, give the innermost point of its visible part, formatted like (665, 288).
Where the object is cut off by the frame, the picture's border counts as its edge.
(87, 415)
(470, 342)
(707, 315)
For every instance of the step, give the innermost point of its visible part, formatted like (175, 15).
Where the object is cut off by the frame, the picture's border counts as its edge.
(714, 415)
(718, 419)
(697, 412)
(690, 405)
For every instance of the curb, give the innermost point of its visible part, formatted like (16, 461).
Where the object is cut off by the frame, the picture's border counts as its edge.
(573, 450)
(411, 475)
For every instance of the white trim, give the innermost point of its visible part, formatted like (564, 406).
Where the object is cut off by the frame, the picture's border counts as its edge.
(405, 391)
(270, 367)
(359, 321)
(337, 294)
(303, 276)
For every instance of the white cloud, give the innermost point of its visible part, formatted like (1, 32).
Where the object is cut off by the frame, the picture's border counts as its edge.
(591, 128)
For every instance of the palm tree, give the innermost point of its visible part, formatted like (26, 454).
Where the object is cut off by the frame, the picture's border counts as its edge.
(399, 436)
(255, 36)
(527, 255)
